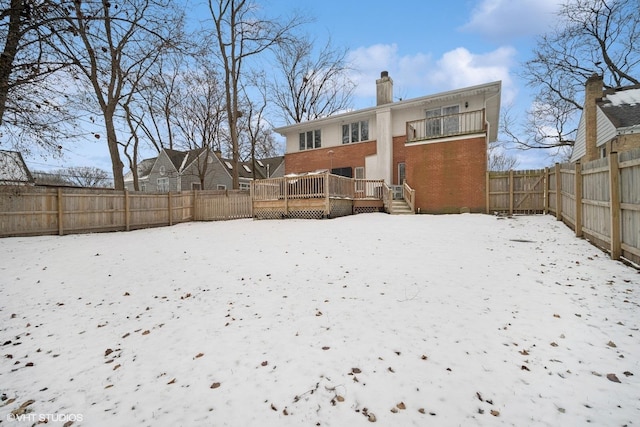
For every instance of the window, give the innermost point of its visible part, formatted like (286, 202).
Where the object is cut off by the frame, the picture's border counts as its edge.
(346, 172)
(443, 121)
(451, 120)
(196, 186)
(355, 132)
(245, 186)
(163, 185)
(401, 173)
(143, 186)
(221, 187)
(310, 139)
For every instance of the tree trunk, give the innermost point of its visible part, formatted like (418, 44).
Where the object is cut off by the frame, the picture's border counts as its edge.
(112, 143)
(9, 52)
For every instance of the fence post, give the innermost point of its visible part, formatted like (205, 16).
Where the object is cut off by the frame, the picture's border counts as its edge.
(545, 207)
(127, 220)
(170, 209)
(510, 191)
(578, 194)
(614, 205)
(488, 185)
(60, 213)
(194, 206)
(558, 193)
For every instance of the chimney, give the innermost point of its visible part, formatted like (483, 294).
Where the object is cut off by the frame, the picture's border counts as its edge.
(592, 93)
(384, 89)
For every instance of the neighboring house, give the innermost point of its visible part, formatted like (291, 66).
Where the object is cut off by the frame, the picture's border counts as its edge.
(610, 121)
(437, 143)
(13, 169)
(144, 169)
(174, 171)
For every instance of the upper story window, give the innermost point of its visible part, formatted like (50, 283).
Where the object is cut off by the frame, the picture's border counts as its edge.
(163, 185)
(443, 121)
(310, 139)
(355, 132)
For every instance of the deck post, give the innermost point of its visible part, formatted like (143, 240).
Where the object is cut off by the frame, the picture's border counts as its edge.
(327, 203)
(286, 196)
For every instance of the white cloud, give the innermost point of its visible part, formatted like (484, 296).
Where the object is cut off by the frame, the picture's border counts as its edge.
(419, 74)
(459, 68)
(505, 19)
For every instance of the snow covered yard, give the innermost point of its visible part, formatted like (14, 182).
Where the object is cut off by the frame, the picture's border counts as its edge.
(401, 320)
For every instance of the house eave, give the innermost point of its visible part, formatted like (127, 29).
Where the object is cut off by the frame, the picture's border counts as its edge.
(489, 89)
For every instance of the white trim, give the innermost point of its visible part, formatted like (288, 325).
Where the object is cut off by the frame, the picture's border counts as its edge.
(451, 138)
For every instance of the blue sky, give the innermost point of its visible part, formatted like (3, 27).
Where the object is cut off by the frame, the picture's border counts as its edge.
(427, 46)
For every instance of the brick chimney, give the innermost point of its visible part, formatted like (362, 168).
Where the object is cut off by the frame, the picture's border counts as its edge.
(592, 93)
(384, 89)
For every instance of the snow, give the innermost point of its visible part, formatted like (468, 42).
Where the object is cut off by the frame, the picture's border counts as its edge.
(624, 97)
(405, 320)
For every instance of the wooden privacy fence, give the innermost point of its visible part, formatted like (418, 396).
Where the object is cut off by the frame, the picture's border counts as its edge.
(599, 200)
(28, 211)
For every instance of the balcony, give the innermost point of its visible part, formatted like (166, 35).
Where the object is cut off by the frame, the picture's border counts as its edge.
(446, 126)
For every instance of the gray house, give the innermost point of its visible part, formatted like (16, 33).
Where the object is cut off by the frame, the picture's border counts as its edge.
(199, 169)
(13, 169)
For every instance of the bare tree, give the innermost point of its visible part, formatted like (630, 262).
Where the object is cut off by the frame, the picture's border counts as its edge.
(499, 159)
(75, 176)
(593, 37)
(316, 84)
(87, 176)
(116, 45)
(256, 129)
(241, 33)
(31, 101)
(200, 117)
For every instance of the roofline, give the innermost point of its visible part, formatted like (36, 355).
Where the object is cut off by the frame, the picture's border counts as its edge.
(408, 103)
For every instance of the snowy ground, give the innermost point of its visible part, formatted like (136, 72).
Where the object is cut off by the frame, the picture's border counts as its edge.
(402, 320)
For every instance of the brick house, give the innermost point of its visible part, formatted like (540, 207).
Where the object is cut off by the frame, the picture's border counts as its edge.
(437, 143)
(610, 121)
(175, 170)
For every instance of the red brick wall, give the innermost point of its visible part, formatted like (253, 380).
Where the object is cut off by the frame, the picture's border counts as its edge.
(448, 176)
(348, 155)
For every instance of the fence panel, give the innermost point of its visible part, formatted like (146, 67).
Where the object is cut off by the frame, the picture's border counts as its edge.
(596, 207)
(222, 205)
(630, 204)
(517, 191)
(568, 193)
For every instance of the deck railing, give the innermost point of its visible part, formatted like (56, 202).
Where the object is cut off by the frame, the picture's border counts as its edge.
(409, 195)
(445, 126)
(313, 186)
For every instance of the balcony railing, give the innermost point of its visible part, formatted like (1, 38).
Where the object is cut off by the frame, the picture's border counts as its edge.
(445, 126)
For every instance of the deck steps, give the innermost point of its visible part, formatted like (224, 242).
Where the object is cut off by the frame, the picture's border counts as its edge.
(400, 207)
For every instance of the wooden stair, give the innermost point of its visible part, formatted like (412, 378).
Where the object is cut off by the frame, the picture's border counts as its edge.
(400, 207)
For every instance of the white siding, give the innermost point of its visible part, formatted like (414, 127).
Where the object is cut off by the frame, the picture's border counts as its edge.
(579, 147)
(606, 129)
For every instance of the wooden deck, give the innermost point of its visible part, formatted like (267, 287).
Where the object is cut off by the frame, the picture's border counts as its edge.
(315, 195)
